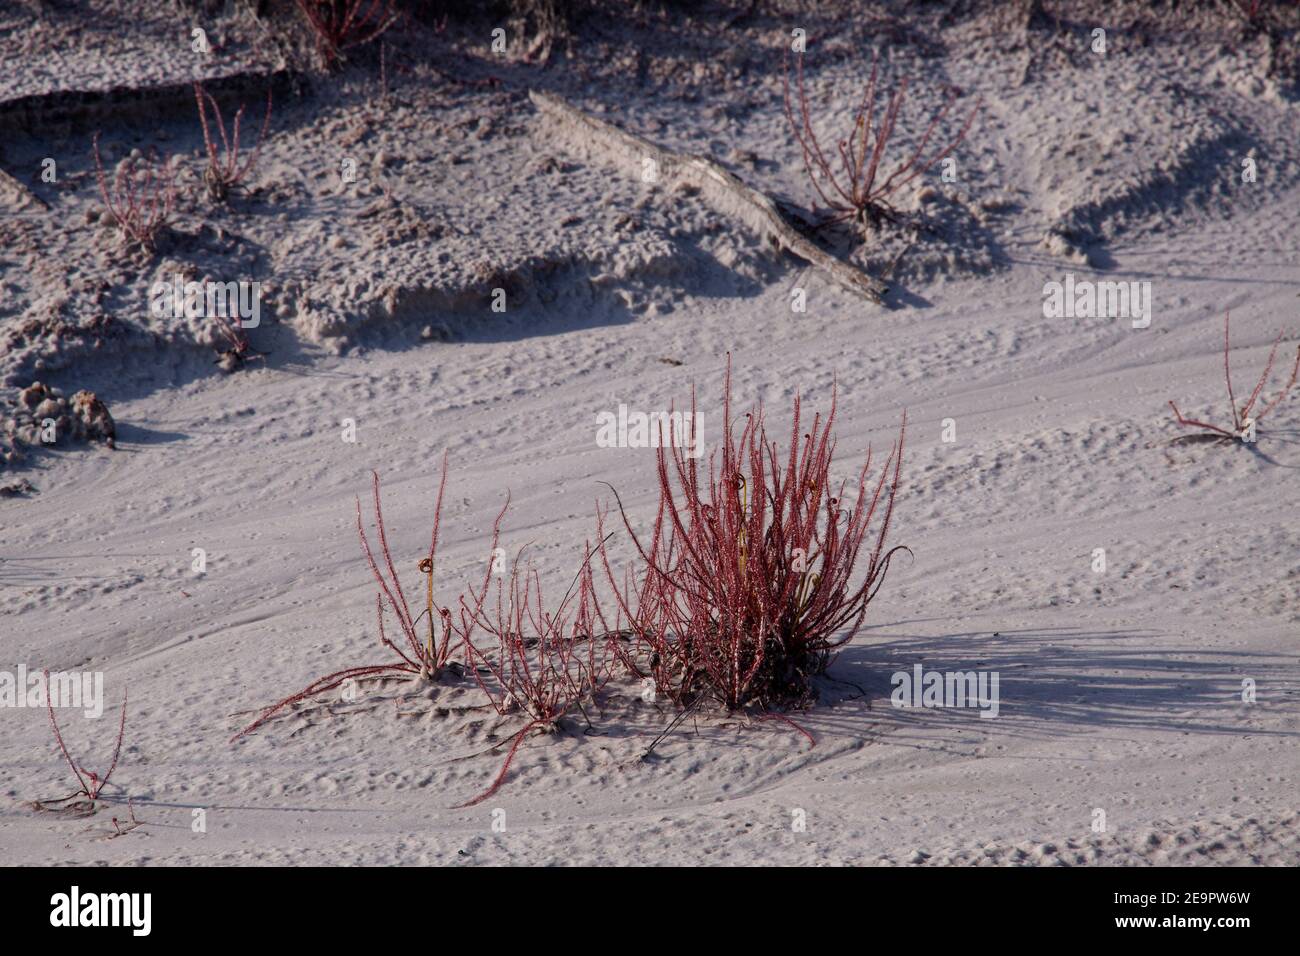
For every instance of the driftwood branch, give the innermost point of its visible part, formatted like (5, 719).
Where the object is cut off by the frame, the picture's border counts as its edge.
(586, 136)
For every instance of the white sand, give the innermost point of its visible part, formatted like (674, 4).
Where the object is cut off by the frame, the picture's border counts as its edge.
(1120, 691)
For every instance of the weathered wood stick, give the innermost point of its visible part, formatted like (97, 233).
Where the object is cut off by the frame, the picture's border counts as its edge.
(587, 136)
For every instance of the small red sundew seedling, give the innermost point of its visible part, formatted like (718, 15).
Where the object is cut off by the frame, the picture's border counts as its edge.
(1243, 422)
(423, 658)
(140, 198)
(123, 827)
(342, 24)
(860, 190)
(90, 784)
(224, 171)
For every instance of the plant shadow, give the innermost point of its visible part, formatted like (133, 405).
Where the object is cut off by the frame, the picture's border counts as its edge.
(1066, 681)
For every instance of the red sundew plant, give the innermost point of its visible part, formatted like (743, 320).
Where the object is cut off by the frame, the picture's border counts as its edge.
(545, 662)
(428, 655)
(1242, 419)
(90, 784)
(860, 190)
(224, 171)
(140, 198)
(753, 575)
(423, 657)
(342, 24)
(756, 572)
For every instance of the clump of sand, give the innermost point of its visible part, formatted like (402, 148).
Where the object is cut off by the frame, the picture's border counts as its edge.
(42, 411)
